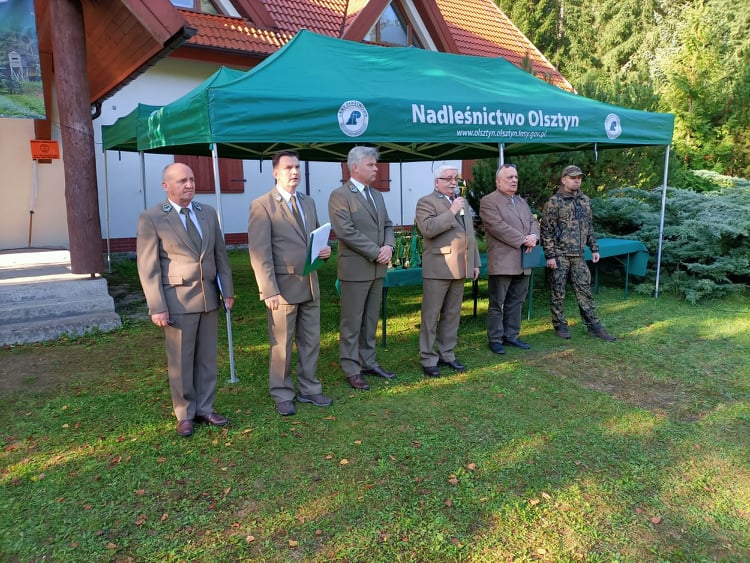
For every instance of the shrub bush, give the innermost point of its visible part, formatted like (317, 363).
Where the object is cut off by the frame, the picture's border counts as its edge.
(706, 242)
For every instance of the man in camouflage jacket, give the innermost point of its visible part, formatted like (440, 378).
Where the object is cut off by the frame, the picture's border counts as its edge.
(566, 229)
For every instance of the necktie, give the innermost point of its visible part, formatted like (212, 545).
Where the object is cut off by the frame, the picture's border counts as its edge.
(297, 215)
(192, 230)
(513, 204)
(370, 200)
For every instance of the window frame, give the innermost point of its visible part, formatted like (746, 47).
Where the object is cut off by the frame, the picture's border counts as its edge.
(412, 40)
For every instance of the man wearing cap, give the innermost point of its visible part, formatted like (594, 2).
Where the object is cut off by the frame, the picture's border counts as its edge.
(567, 228)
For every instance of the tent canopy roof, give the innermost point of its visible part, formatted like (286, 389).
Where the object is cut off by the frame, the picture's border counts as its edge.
(321, 96)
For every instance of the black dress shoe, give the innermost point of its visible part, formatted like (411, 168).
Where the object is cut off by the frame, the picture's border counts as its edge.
(214, 418)
(517, 343)
(358, 382)
(185, 428)
(380, 372)
(603, 334)
(497, 348)
(454, 364)
(286, 408)
(431, 371)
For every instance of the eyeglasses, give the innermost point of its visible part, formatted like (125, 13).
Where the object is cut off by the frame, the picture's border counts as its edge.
(507, 165)
(450, 179)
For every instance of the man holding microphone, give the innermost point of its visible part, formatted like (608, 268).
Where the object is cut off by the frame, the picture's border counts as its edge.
(450, 256)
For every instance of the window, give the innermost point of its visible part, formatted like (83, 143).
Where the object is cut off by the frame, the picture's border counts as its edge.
(231, 174)
(393, 29)
(205, 6)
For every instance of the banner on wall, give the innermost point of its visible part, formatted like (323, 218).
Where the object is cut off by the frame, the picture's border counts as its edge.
(21, 92)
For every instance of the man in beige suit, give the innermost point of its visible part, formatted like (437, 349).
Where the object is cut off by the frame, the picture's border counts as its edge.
(510, 227)
(450, 256)
(181, 261)
(365, 246)
(278, 233)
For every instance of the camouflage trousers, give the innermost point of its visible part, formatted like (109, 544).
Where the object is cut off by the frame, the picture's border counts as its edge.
(573, 269)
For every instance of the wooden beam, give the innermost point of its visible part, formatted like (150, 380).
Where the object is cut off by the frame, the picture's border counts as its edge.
(77, 134)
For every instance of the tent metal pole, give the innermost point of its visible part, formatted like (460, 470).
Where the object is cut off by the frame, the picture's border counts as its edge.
(230, 341)
(501, 154)
(401, 189)
(106, 213)
(661, 220)
(217, 183)
(142, 156)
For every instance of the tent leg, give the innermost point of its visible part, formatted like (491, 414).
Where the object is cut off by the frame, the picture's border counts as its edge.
(143, 177)
(661, 220)
(106, 214)
(217, 183)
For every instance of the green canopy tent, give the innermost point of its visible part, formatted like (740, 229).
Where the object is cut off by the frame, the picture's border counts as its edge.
(413, 104)
(320, 95)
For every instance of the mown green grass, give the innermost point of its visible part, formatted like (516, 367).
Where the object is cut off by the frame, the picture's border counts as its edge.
(637, 450)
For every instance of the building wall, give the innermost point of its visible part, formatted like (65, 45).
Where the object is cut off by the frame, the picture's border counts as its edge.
(48, 226)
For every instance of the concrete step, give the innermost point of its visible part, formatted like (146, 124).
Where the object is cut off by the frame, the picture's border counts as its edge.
(40, 299)
(27, 290)
(51, 329)
(54, 308)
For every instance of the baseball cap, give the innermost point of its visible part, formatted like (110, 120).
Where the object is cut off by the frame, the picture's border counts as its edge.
(572, 170)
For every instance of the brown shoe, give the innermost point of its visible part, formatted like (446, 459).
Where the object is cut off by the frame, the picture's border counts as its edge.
(214, 418)
(358, 382)
(185, 428)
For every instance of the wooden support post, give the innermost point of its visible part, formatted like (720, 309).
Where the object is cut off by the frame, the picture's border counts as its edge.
(77, 134)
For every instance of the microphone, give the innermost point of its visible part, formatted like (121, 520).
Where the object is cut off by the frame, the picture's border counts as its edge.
(457, 193)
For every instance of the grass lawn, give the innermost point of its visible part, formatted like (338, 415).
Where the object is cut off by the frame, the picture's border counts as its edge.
(578, 450)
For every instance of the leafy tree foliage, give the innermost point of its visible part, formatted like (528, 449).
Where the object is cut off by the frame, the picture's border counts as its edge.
(687, 57)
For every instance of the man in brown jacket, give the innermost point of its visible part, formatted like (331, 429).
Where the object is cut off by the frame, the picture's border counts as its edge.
(181, 260)
(511, 229)
(364, 232)
(450, 256)
(278, 232)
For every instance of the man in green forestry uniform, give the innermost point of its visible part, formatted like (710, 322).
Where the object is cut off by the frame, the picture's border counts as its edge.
(567, 228)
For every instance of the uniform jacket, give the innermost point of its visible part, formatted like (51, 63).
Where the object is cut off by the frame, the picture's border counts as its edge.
(567, 225)
(450, 248)
(360, 233)
(174, 276)
(507, 226)
(278, 248)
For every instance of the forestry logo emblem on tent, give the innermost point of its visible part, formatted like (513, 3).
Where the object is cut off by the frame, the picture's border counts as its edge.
(612, 126)
(353, 118)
